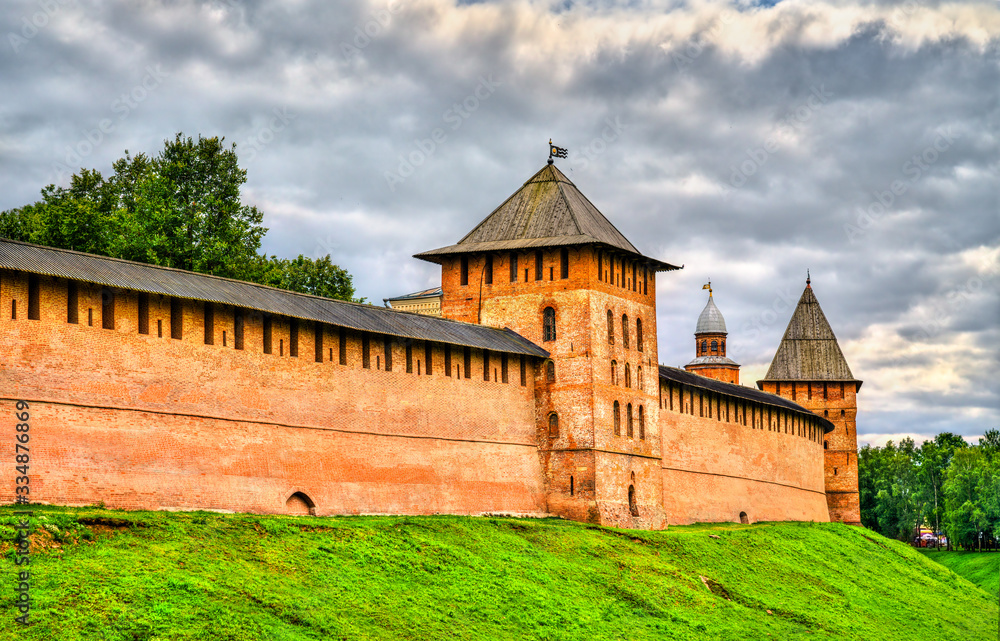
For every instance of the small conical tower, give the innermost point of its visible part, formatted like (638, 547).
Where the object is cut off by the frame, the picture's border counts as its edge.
(810, 369)
(710, 346)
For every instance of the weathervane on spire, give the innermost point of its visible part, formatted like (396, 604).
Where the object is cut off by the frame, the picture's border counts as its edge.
(556, 152)
(808, 278)
(708, 286)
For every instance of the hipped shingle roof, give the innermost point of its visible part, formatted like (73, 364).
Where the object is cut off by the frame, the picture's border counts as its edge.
(547, 211)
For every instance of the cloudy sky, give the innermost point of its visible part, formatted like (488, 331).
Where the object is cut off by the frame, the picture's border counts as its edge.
(859, 140)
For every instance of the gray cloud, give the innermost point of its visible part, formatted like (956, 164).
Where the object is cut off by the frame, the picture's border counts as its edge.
(815, 111)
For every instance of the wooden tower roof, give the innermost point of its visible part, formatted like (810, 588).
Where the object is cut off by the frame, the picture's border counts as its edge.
(809, 350)
(547, 211)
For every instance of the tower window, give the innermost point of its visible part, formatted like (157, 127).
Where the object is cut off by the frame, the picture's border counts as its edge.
(513, 267)
(447, 360)
(634, 272)
(503, 368)
(549, 324)
(628, 420)
(611, 328)
(488, 269)
(387, 349)
(632, 505)
(524, 372)
(645, 282)
(571, 486)
(625, 331)
(409, 357)
(467, 361)
(366, 351)
(428, 357)
(715, 346)
(638, 376)
(704, 347)
(550, 372)
(486, 365)
(553, 425)
(642, 424)
(293, 338)
(267, 335)
(465, 270)
(628, 375)
(723, 348)
(538, 265)
(638, 334)
(618, 418)
(600, 265)
(826, 445)
(342, 348)
(564, 263)
(614, 372)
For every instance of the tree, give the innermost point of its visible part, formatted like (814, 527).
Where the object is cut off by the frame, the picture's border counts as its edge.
(179, 209)
(963, 511)
(933, 459)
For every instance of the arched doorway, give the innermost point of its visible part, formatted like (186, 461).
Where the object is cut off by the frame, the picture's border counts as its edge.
(744, 519)
(632, 506)
(300, 504)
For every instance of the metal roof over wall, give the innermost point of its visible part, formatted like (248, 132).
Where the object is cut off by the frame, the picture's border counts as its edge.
(690, 379)
(123, 274)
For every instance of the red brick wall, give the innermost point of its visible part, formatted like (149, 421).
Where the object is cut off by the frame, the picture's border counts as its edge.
(148, 422)
(836, 402)
(714, 469)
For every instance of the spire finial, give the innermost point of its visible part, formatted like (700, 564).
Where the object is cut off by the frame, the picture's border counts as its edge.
(808, 279)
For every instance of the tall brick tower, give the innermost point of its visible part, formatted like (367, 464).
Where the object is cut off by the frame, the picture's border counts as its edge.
(710, 346)
(810, 369)
(548, 265)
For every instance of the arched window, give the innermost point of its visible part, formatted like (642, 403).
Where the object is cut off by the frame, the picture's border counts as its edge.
(632, 506)
(642, 424)
(549, 324)
(715, 347)
(628, 421)
(618, 419)
(704, 347)
(638, 334)
(723, 348)
(611, 328)
(614, 372)
(550, 372)
(625, 331)
(628, 375)
(638, 376)
(553, 425)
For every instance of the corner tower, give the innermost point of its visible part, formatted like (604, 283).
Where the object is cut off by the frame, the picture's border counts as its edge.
(810, 369)
(548, 265)
(710, 346)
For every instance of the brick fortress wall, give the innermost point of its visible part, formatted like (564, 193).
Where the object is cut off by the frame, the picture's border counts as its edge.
(152, 422)
(716, 465)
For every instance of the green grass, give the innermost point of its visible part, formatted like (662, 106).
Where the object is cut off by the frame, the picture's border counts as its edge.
(104, 574)
(981, 568)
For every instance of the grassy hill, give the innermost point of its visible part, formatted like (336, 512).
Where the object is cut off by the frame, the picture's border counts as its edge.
(981, 568)
(103, 574)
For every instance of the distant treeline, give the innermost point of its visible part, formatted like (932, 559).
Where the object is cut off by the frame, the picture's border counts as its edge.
(945, 484)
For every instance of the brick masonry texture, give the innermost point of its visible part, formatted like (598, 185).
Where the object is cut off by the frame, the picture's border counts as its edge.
(153, 422)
